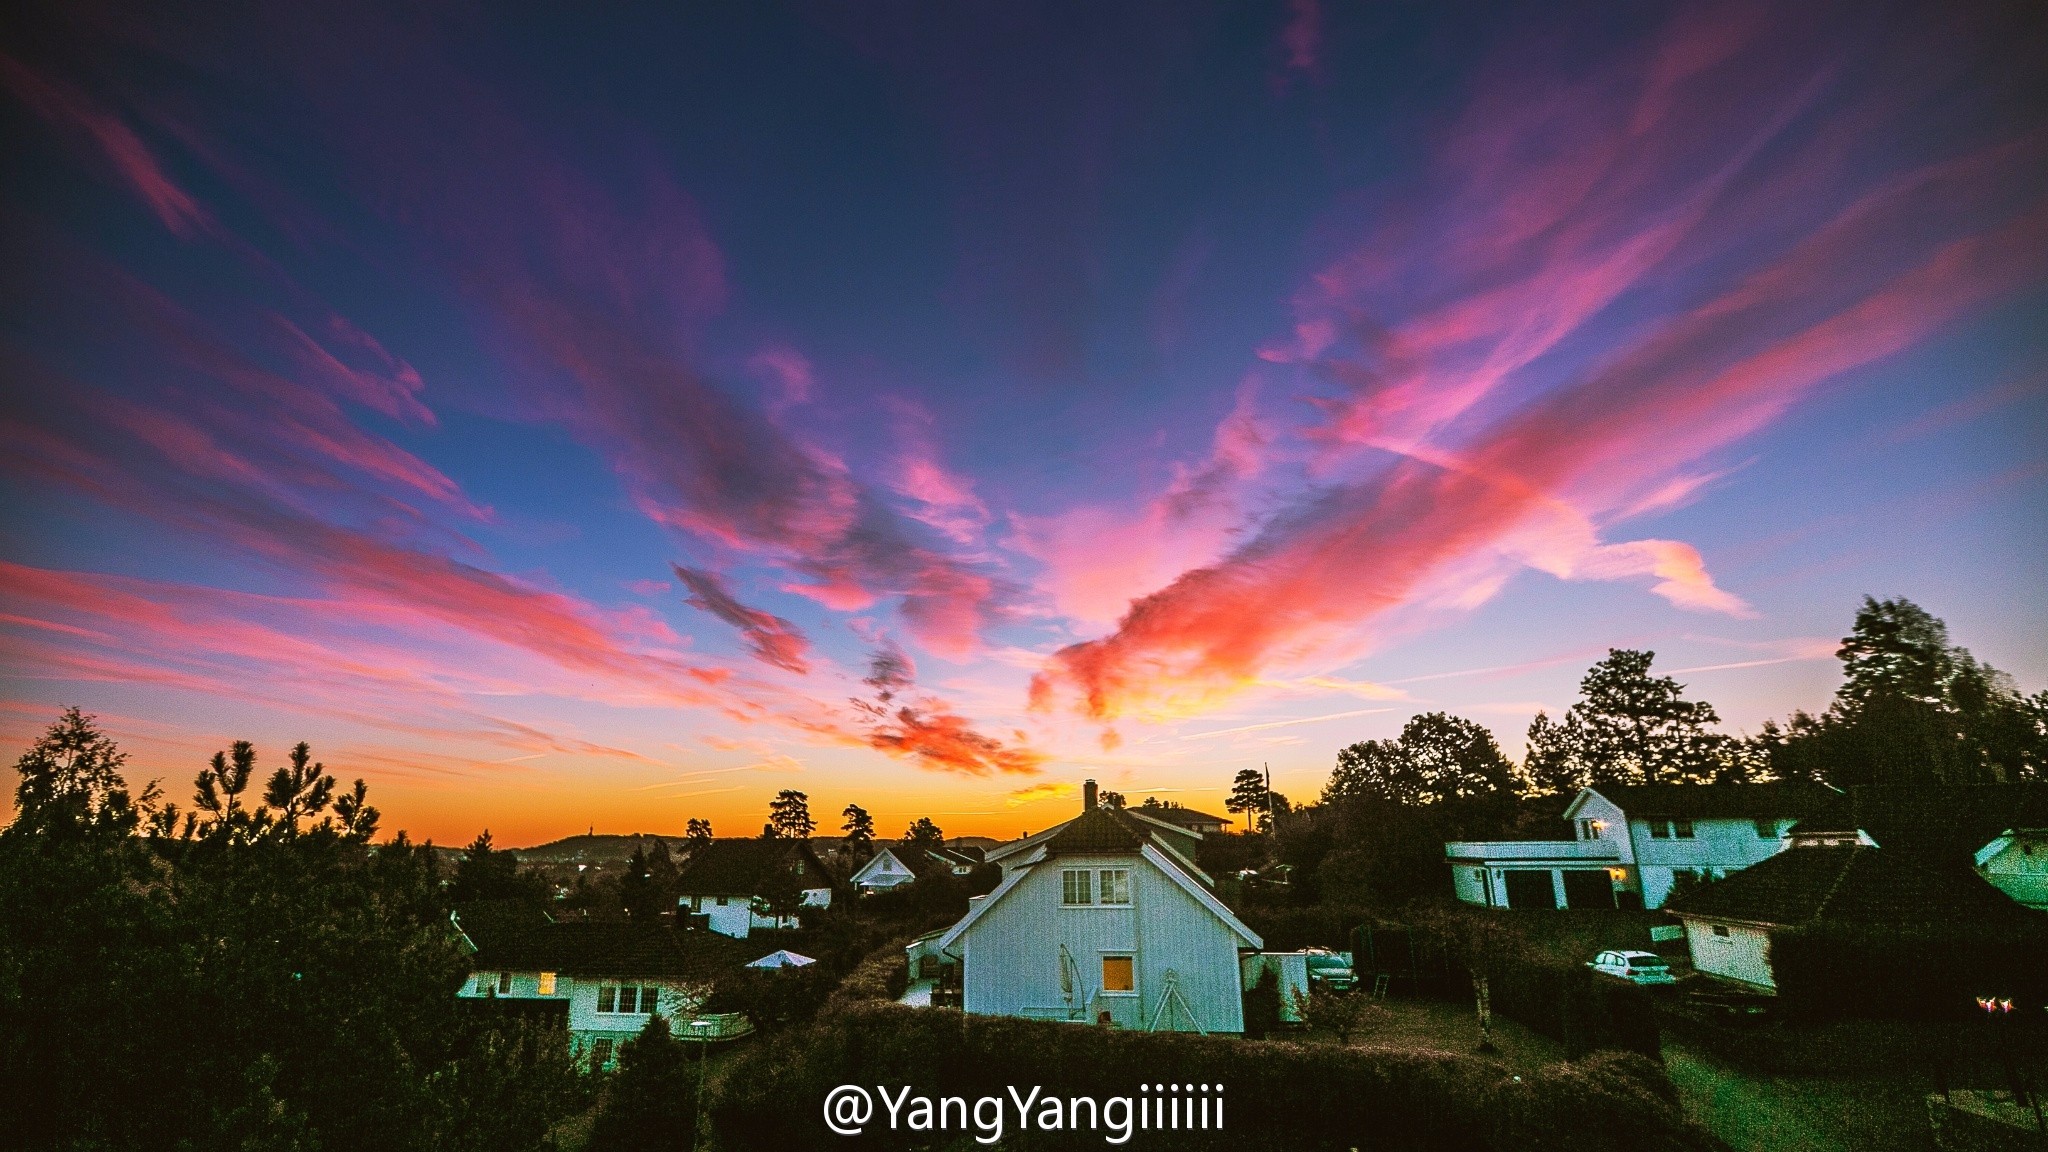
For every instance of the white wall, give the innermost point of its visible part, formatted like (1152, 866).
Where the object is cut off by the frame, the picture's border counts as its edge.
(1721, 846)
(1012, 954)
(1742, 955)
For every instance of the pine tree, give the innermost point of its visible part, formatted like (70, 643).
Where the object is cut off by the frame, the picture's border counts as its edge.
(859, 829)
(789, 814)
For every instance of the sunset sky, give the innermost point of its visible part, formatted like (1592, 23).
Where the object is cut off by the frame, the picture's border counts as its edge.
(608, 415)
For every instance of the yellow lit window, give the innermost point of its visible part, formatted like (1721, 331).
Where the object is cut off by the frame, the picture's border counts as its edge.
(1116, 974)
(547, 983)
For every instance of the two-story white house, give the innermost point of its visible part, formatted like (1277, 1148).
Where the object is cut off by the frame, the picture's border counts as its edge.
(1104, 919)
(900, 864)
(722, 879)
(1631, 845)
(602, 980)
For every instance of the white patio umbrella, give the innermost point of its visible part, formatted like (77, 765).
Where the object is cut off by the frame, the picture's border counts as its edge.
(782, 958)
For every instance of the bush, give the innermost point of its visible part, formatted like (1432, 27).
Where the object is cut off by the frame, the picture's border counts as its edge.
(1576, 1008)
(882, 976)
(1834, 972)
(1278, 1095)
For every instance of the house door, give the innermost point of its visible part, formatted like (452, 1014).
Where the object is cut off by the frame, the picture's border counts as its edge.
(1586, 889)
(1528, 888)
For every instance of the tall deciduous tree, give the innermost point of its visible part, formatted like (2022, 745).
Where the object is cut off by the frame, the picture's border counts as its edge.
(697, 831)
(925, 833)
(1630, 727)
(1437, 757)
(790, 815)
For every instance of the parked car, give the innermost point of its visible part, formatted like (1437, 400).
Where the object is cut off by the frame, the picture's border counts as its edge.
(1634, 967)
(1332, 970)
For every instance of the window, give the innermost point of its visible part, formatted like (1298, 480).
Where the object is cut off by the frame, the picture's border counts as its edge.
(1117, 975)
(1682, 829)
(600, 1055)
(547, 983)
(504, 983)
(1074, 886)
(1660, 830)
(650, 1000)
(1721, 930)
(721, 901)
(607, 997)
(1116, 885)
(1767, 829)
(484, 980)
(1590, 829)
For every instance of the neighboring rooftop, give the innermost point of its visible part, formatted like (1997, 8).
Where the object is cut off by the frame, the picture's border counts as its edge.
(1851, 884)
(598, 948)
(738, 867)
(1949, 821)
(1718, 801)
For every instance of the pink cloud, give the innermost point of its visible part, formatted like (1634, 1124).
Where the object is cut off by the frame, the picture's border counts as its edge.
(772, 639)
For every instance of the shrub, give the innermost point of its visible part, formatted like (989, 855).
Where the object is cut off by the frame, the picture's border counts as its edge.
(1834, 971)
(1278, 1095)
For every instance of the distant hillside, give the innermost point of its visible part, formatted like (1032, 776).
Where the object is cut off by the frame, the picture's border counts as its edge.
(588, 849)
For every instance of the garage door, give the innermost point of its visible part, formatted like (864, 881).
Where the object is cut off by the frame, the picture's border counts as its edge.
(1583, 889)
(1530, 889)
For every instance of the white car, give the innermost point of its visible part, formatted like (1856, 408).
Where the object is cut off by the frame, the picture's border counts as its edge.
(1634, 967)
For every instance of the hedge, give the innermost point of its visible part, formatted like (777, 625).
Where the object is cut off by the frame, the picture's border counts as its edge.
(1832, 972)
(1576, 1008)
(1279, 1095)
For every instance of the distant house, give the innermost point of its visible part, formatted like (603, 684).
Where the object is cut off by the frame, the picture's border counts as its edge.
(723, 877)
(2016, 861)
(602, 980)
(1104, 919)
(1629, 845)
(1829, 878)
(1187, 818)
(900, 864)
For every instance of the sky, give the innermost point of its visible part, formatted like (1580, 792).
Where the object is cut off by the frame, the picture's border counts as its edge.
(570, 417)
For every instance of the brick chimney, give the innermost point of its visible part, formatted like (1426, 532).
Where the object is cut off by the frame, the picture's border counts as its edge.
(1087, 795)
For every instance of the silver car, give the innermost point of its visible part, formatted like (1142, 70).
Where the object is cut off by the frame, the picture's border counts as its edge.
(1634, 967)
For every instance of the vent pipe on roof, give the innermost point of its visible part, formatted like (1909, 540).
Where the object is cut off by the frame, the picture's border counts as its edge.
(1087, 795)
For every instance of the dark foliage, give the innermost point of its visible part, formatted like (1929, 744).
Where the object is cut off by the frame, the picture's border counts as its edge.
(1279, 1095)
(1835, 971)
(650, 1105)
(260, 981)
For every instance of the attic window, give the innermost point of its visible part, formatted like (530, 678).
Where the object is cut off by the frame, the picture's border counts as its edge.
(1767, 829)
(1075, 887)
(547, 983)
(1720, 930)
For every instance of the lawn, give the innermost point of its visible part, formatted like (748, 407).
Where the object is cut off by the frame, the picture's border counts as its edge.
(1444, 1026)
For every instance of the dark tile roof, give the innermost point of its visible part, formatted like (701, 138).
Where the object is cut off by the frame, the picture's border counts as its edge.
(1096, 830)
(1173, 814)
(1852, 885)
(1950, 822)
(592, 948)
(480, 918)
(1718, 801)
(736, 867)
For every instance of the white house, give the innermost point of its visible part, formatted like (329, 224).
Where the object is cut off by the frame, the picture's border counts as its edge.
(900, 864)
(1631, 844)
(1187, 818)
(2016, 862)
(601, 980)
(1104, 919)
(722, 879)
(1829, 877)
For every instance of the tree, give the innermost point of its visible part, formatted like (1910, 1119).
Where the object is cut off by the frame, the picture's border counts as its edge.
(790, 815)
(1912, 709)
(1113, 800)
(487, 872)
(1248, 793)
(299, 792)
(924, 833)
(71, 779)
(651, 1103)
(357, 816)
(1437, 757)
(639, 894)
(859, 829)
(697, 831)
(1630, 727)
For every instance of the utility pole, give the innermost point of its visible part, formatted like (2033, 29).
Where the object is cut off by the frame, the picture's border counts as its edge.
(1271, 824)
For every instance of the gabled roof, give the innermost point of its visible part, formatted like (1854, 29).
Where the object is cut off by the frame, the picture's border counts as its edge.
(595, 948)
(1852, 884)
(1184, 875)
(1175, 814)
(1096, 830)
(1950, 821)
(739, 867)
(1711, 801)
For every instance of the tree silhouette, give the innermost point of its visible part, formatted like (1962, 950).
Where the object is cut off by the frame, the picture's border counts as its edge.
(859, 829)
(790, 815)
(924, 833)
